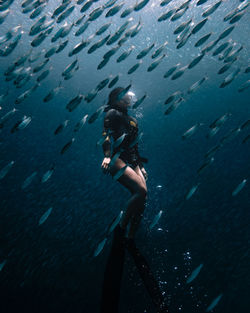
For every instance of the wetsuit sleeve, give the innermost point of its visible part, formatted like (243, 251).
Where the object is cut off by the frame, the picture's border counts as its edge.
(107, 128)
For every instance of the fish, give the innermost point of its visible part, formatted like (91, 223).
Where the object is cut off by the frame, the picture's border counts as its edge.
(195, 61)
(119, 141)
(185, 33)
(102, 29)
(65, 14)
(191, 191)
(34, 57)
(136, 30)
(134, 67)
(5, 170)
(226, 52)
(69, 68)
(100, 247)
(232, 56)
(26, 94)
(40, 66)
(171, 70)
(66, 30)
(145, 51)
(36, 12)
(98, 44)
(44, 217)
(210, 46)
(230, 78)
(178, 14)
(237, 17)
(102, 64)
(191, 131)
(111, 52)
(62, 46)
(159, 50)
(224, 68)
(95, 115)
(183, 41)
(119, 32)
(96, 13)
(127, 11)
(8, 49)
(246, 139)
(212, 150)
(205, 164)
(61, 127)
(179, 73)
(80, 124)
(226, 32)
(202, 40)
(86, 6)
(165, 2)
(82, 28)
(109, 3)
(173, 96)
(199, 26)
(200, 2)
(123, 39)
(37, 27)
(139, 101)
(182, 26)
(212, 8)
(78, 47)
(102, 84)
(136, 140)
(113, 81)
(244, 86)
(2, 264)
(79, 21)
(9, 34)
(218, 122)
(213, 303)
(155, 220)
(125, 54)
(114, 223)
(60, 9)
(21, 124)
(194, 274)
(166, 15)
(92, 94)
(196, 85)
(230, 135)
(115, 9)
(120, 173)
(43, 75)
(28, 180)
(4, 15)
(154, 64)
(50, 52)
(26, 3)
(174, 106)
(3, 96)
(41, 37)
(245, 124)
(67, 146)
(222, 47)
(73, 103)
(141, 5)
(46, 176)
(239, 187)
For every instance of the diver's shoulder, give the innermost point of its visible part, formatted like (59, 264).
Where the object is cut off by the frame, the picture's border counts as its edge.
(112, 112)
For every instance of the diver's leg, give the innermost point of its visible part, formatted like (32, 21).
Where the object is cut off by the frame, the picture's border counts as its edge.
(132, 181)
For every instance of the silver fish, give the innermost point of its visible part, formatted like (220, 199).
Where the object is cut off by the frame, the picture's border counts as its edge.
(86, 6)
(95, 115)
(165, 2)
(43, 75)
(100, 247)
(44, 217)
(50, 52)
(173, 96)
(125, 54)
(98, 44)
(73, 103)
(196, 85)
(155, 220)
(205, 164)
(46, 176)
(115, 9)
(154, 64)
(145, 51)
(41, 37)
(224, 68)
(178, 14)
(182, 26)
(119, 140)
(102, 63)
(244, 86)
(113, 81)
(3, 15)
(40, 66)
(199, 26)
(115, 222)
(194, 274)
(141, 5)
(237, 17)
(179, 73)
(210, 46)
(28, 180)
(80, 124)
(102, 84)
(183, 41)
(60, 9)
(5, 170)
(92, 94)
(159, 50)
(21, 124)
(226, 32)
(109, 3)
(65, 14)
(230, 78)
(171, 70)
(36, 12)
(96, 13)
(174, 106)
(139, 101)
(62, 46)
(78, 47)
(2, 264)
(166, 15)
(195, 61)
(103, 28)
(202, 40)
(79, 21)
(127, 11)
(26, 94)
(191, 192)
(67, 146)
(61, 127)
(69, 68)
(222, 47)
(191, 130)
(220, 120)
(214, 303)
(239, 187)
(134, 67)
(82, 28)
(111, 52)
(212, 8)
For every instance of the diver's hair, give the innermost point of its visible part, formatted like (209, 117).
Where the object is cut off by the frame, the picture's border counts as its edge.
(113, 96)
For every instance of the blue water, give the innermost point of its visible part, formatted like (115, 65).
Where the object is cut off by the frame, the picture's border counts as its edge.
(50, 267)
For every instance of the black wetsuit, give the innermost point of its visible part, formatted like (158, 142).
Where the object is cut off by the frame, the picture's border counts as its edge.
(116, 123)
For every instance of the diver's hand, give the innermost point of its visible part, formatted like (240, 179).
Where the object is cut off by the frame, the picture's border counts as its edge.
(145, 174)
(105, 164)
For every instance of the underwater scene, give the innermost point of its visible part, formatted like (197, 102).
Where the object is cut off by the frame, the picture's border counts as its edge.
(186, 66)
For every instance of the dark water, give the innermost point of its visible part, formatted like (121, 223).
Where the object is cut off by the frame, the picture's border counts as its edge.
(50, 267)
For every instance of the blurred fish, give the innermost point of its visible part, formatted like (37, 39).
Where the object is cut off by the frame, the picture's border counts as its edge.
(119, 141)
(232, 56)
(230, 135)
(185, 33)
(245, 125)
(41, 37)
(226, 32)
(196, 85)
(191, 130)
(237, 17)
(103, 28)
(171, 70)
(214, 303)
(199, 26)
(115, 9)
(25, 3)
(205, 165)
(155, 220)
(61, 127)
(79, 21)
(218, 122)
(230, 78)
(109, 3)
(62, 46)
(71, 74)
(178, 14)
(127, 11)
(3, 96)
(202, 40)
(92, 94)
(9, 34)
(100, 247)
(183, 41)
(78, 47)
(44, 217)
(114, 81)
(224, 68)
(28, 180)
(111, 52)
(50, 52)
(73, 103)
(179, 73)
(40, 66)
(36, 12)
(96, 13)
(195, 61)
(80, 124)
(86, 6)
(98, 44)
(244, 86)
(222, 47)
(136, 30)
(191, 191)
(60, 9)
(159, 50)
(210, 46)
(21, 124)
(154, 64)
(43, 75)
(102, 84)
(134, 67)
(115, 222)
(46, 176)
(246, 139)
(141, 5)
(212, 8)
(123, 39)
(174, 106)
(34, 57)
(102, 64)
(2, 264)
(166, 15)
(212, 150)
(66, 30)
(69, 68)
(65, 14)
(226, 52)
(5, 170)
(173, 96)
(119, 32)
(200, 2)
(165, 2)
(11, 46)
(125, 54)
(82, 28)
(145, 51)
(95, 115)
(194, 274)
(139, 101)
(182, 26)
(3, 15)
(120, 173)
(26, 94)
(67, 146)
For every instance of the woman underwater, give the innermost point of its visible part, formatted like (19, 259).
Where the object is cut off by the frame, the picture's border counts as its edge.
(124, 130)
